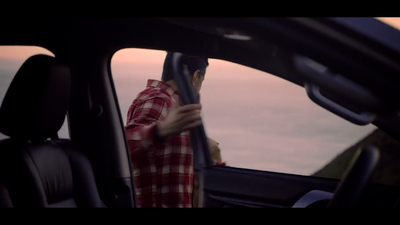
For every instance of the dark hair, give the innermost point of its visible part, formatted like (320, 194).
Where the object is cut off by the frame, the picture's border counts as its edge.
(193, 63)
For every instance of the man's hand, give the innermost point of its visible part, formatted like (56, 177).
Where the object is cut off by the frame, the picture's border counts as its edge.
(215, 152)
(180, 119)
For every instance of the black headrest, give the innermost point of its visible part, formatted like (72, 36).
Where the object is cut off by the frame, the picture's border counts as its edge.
(37, 99)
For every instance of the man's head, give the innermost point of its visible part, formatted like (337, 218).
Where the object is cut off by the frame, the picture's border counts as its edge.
(197, 69)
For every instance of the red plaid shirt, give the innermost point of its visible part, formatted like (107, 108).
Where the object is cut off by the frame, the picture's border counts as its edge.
(163, 171)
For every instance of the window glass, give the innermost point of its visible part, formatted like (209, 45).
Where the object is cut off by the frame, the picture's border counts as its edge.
(11, 59)
(261, 121)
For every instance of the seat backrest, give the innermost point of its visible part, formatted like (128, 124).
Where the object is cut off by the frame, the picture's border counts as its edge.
(5, 200)
(37, 168)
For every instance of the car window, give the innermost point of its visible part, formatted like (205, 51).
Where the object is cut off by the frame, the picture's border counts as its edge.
(392, 21)
(11, 59)
(260, 121)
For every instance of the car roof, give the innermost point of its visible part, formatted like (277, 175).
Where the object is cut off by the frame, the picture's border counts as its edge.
(213, 36)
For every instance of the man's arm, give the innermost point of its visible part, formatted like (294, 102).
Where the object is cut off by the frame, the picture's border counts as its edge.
(154, 121)
(141, 128)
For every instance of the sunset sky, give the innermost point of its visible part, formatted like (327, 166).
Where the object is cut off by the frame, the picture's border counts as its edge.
(393, 21)
(276, 127)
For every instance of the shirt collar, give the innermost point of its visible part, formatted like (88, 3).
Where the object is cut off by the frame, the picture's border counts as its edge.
(162, 85)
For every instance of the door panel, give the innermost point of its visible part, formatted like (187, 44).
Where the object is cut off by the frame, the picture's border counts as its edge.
(236, 187)
(228, 186)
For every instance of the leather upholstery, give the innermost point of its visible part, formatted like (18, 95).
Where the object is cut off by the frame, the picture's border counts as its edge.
(36, 170)
(36, 101)
(5, 200)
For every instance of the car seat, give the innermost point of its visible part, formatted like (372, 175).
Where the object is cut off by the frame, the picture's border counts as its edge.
(36, 167)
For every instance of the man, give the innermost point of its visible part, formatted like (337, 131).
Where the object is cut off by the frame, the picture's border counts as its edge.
(158, 135)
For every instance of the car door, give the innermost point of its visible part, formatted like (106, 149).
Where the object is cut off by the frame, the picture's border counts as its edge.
(332, 80)
(229, 186)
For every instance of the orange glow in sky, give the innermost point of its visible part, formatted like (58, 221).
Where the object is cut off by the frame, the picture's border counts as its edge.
(393, 21)
(22, 52)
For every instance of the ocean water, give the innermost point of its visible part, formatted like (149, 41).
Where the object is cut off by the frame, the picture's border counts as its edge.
(260, 121)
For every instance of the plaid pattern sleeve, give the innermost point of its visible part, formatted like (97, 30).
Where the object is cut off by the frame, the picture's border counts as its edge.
(141, 123)
(163, 171)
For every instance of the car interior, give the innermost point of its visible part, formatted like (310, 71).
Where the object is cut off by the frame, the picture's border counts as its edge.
(66, 178)
(342, 65)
